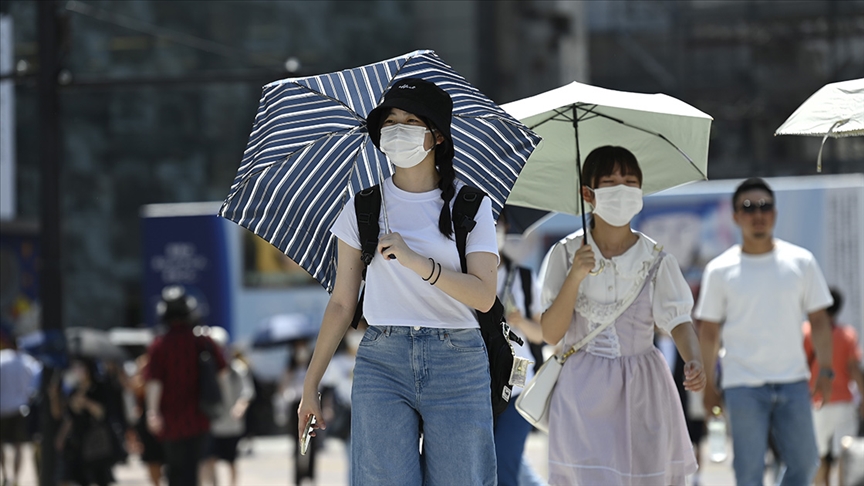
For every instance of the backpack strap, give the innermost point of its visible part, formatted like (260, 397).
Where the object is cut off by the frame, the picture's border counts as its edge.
(367, 206)
(527, 288)
(464, 209)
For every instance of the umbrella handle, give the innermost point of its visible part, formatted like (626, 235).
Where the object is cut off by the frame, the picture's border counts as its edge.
(599, 271)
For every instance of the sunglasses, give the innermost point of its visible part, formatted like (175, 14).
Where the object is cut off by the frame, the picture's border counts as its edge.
(748, 206)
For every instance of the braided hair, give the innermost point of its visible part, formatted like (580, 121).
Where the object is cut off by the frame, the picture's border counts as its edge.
(444, 164)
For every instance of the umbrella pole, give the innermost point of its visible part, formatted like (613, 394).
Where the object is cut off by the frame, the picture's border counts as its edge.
(579, 177)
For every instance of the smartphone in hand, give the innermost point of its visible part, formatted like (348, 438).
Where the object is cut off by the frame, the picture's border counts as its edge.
(307, 430)
(306, 437)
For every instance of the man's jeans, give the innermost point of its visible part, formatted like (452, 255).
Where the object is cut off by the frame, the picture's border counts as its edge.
(407, 378)
(784, 411)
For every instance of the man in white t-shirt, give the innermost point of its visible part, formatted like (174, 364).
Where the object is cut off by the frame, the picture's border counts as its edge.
(755, 296)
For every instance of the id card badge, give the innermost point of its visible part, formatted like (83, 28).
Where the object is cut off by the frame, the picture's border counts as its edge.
(519, 371)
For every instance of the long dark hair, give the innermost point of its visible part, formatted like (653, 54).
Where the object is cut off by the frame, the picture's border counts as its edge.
(444, 164)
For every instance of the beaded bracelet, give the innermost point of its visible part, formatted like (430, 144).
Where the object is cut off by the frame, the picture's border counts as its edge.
(436, 278)
(433, 270)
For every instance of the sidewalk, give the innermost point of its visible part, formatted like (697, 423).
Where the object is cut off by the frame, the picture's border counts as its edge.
(270, 464)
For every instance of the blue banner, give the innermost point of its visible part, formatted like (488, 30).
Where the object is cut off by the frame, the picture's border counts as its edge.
(189, 251)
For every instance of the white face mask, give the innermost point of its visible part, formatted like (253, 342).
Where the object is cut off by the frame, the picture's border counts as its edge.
(617, 204)
(403, 144)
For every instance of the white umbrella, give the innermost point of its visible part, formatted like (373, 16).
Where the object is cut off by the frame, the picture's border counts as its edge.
(668, 137)
(836, 110)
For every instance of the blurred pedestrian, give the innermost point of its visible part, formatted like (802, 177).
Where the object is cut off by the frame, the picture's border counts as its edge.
(421, 362)
(519, 291)
(756, 294)
(837, 417)
(85, 436)
(615, 417)
(16, 388)
(227, 428)
(291, 389)
(150, 447)
(336, 390)
(172, 387)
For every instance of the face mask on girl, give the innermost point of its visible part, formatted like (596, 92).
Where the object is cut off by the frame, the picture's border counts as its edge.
(403, 144)
(617, 204)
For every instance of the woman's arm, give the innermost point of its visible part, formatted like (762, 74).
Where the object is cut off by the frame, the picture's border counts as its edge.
(688, 347)
(337, 318)
(558, 316)
(475, 289)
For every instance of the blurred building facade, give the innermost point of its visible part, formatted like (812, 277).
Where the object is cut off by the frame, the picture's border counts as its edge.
(157, 98)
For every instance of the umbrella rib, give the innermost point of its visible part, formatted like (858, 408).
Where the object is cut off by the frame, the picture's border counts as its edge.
(254, 172)
(559, 112)
(650, 132)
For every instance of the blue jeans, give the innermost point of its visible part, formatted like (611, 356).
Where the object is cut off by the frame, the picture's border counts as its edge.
(783, 410)
(408, 378)
(511, 430)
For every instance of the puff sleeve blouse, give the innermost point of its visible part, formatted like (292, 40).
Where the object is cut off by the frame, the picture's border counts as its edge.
(672, 300)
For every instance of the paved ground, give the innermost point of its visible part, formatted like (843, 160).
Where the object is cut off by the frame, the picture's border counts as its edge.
(270, 465)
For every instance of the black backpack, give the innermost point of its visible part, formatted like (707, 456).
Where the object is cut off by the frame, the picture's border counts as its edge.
(494, 329)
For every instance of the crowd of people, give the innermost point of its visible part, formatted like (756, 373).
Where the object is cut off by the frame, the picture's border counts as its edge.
(409, 390)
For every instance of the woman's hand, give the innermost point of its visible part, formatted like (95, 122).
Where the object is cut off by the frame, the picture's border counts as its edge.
(309, 405)
(694, 376)
(583, 262)
(393, 247)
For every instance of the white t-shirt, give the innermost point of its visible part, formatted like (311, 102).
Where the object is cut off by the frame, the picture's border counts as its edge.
(395, 295)
(761, 301)
(671, 298)
(518, 295)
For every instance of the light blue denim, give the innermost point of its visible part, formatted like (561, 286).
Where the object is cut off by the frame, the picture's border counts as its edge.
(405, 378)
(783, 410)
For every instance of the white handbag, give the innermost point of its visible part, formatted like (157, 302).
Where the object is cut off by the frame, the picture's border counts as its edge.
(533, 402)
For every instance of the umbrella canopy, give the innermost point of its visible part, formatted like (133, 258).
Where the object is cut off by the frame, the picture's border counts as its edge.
(522, 221)
(668, 137)
(836, 110)
(282, 329)
(85, 342)
(81, 342)
(309, 151)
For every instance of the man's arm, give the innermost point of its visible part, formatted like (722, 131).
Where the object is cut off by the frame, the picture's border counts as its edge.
(709, 343)
(153, 395)
(858, 376)
(820, 332)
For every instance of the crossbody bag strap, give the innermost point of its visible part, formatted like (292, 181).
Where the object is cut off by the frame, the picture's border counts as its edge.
(624, 306)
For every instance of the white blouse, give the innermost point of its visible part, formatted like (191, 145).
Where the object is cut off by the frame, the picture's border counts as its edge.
(670, 294)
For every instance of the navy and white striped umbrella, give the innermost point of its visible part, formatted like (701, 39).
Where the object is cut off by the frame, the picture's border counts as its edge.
(309, 151)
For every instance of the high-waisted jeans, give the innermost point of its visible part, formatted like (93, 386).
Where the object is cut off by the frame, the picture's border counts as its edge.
(408, 378)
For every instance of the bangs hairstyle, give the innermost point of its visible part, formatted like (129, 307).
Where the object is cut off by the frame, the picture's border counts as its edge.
(603, 161)
(749, 185)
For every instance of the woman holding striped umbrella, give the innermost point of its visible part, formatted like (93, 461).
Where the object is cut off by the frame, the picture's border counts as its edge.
(421, 365)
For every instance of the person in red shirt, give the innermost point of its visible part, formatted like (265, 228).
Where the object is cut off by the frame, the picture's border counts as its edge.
(172, 394)
(838, 417)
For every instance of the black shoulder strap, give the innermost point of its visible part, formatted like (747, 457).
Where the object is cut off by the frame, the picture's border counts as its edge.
(367, 205)
(527, 289)
(464, 209)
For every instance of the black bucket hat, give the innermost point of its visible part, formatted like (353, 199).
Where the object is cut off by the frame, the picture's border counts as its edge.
(421, 98)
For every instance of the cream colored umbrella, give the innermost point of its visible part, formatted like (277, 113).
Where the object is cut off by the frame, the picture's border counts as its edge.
(836, 110)
(668, 137)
